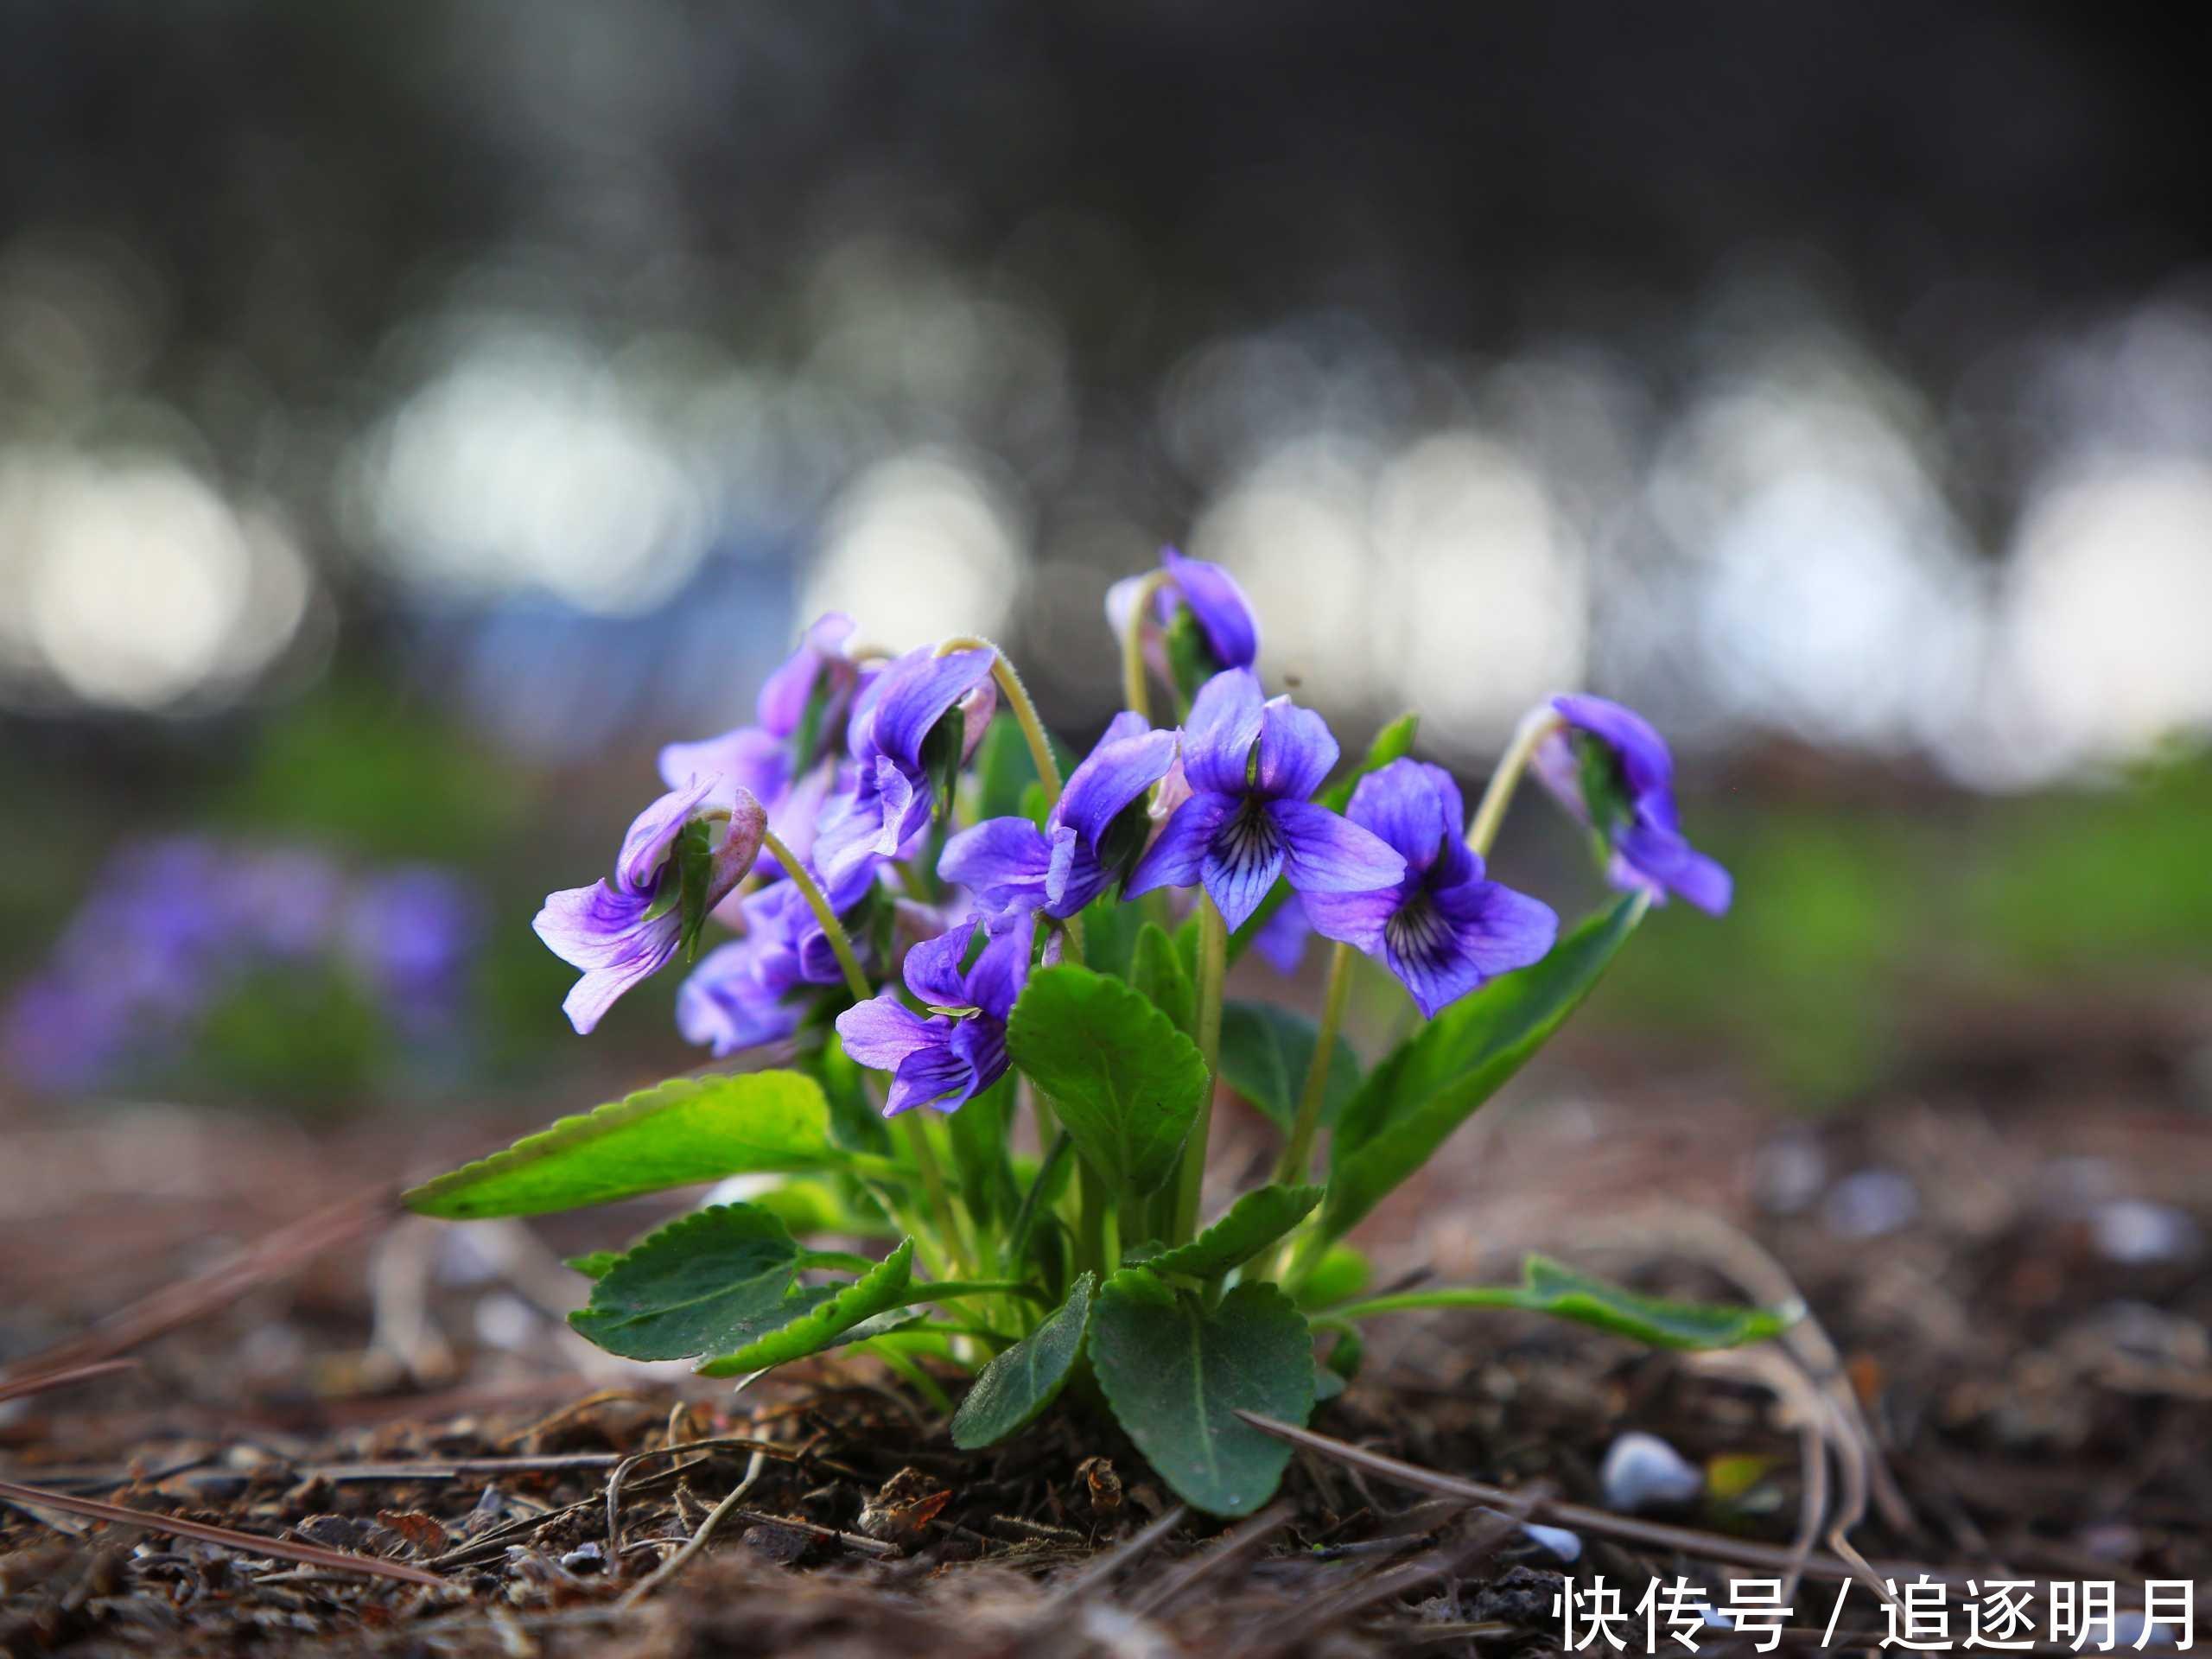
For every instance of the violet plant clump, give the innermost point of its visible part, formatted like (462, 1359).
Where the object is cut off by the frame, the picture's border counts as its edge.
(973, 1025)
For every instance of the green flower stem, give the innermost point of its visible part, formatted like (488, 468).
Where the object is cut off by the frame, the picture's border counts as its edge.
(1025, 1219)
(841, 943)
(1213, 967)
(1017, 699)
(1538, 724)
(1298, 1153)
(1134, 693)
(942, 1208)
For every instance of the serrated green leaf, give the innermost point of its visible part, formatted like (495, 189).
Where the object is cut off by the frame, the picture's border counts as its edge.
(1014, 1388)
(1253, 1222)
(1391, 743)
(1410, 1105)
(1126, 1085)
(680, 1133)
(1553, 1288)
(594, 1265)
(1265, 1053)
(705, 1284)
(872, 1304)
(1176, 1373)
(1156, 970)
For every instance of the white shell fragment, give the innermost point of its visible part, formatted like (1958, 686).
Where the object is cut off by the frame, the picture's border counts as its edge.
(1642, 1471)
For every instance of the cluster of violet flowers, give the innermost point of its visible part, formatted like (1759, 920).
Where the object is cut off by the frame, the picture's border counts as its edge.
(174, 927)
(836, 869)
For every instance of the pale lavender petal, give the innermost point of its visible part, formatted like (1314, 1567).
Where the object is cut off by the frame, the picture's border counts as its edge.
(594, 926)
(1223, 725)
(746, 757)
(1242, 861)
(654, 831)
(784, 693)
(1296, 751)
(933, 972)
(1414, 806)
(1323, 853)
(881, 1032)
(1113, 775)
(1075, 878)
(1224, 615)
(918, 693)
(590, 997)
(726, 1005)
(1644, 760)
(1001, 861)
(1354, 919)
(1177, 857)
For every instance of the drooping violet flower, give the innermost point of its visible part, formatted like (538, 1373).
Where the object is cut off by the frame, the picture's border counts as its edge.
(1251, 764)
(945, 1060)
(801, 714)
(1613, 772)
(912, 727)
(622, 931)
(1201, 623)
(1094, 832)
(1444, 929)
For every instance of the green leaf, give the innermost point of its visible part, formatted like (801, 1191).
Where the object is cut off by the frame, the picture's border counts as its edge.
(1253, 1222)
(1342, 1271)
(1176, 1373)
(680, 1133)
(855, 1123)
(871, 1304)
(1126, 1083)
(709, 1283)
(1410, 1105)
(1158, 972)
(1549, 1286)
(808, 1206)
(594, 1265)
(1017, 1386)
(1266, 1052)
(1391, 743)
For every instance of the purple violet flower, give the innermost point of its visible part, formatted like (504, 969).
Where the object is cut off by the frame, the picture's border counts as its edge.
(1443, 930)
(1217, 606)
(742, 994)
(1250, 764)
(801, 713)
(959, 1049)
(1612, 771)
(1089, 837)
(623, 932)
(898, 737)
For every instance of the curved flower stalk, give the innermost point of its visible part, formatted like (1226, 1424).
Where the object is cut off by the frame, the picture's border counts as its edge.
(1251, 765)
(1095, 1256)
(622, 931)
(1611, 770)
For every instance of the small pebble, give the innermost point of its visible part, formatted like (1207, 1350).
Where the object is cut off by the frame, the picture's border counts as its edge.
(1643, 1472)
(1870, 1204)
(1556, 1541)
(2137, 1233)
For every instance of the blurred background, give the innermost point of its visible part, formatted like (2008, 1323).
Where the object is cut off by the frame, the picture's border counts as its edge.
(412, 416)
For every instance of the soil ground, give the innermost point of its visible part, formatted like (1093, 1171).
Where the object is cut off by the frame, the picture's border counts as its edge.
(2008, 1252)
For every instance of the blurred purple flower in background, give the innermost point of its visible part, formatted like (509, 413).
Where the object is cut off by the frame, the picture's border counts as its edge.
(173, 926)
(1444, 929)
(1613, 772)
(1251, 764)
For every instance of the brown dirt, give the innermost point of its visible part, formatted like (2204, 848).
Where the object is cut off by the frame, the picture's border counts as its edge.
(2041, 1407)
